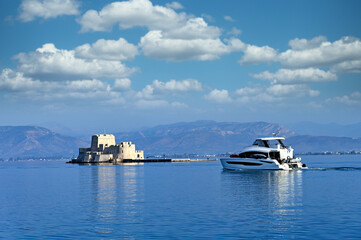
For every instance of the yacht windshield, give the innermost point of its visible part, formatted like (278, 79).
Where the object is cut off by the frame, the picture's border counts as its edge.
(275, 143)
(261, 143)
(269, 143)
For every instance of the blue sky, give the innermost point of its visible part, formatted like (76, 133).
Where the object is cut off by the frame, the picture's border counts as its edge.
(94, 65)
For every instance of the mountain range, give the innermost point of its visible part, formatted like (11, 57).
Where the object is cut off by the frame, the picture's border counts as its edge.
(200, 137)
(36, 142)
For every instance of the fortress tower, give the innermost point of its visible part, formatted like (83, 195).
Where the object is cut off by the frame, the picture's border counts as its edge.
(104, 149)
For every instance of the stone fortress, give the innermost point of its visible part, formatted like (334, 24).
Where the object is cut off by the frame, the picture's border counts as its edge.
(104, 149)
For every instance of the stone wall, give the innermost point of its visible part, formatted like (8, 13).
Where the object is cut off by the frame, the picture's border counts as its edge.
(103, 148)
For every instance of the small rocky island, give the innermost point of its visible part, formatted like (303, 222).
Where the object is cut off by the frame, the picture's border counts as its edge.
(104, 149)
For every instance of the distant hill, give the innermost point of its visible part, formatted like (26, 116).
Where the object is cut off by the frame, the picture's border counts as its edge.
(326, 129)
(307, 143)
(201, 137)
(31, 141)
(209, 137)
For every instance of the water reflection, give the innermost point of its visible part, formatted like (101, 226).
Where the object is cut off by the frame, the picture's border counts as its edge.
(116, 191)
(277, 196)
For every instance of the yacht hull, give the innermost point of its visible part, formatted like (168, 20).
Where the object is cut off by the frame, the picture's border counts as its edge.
(258, 164)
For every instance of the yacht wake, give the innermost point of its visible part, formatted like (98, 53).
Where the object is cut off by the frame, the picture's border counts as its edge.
(335, 168)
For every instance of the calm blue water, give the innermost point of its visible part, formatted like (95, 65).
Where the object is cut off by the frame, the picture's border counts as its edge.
(54, 200)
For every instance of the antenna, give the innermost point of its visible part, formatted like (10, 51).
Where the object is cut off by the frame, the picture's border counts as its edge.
(275, 134)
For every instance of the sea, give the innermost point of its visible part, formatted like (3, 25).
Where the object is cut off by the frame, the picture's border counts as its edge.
(184, 200)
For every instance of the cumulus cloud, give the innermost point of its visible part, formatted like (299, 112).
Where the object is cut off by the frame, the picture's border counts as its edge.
(303, 44)
(254, 54)
(122, 84)
(155, 45)
(174, 5)
(172, 36)
(340, 57)
(177, 86)
(172, 86)
(352, 99)
(219, 96)
(129, 14)
(16, 82)
(295, 90)
(322, 53)
(15, 85)
(305, 75)
(107, 49)
(31, 9)
(248, 91)
(274, 93)
(194, 28)
(347, 67)
(50, 62)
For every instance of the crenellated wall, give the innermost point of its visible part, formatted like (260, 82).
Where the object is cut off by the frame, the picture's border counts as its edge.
(103, 148)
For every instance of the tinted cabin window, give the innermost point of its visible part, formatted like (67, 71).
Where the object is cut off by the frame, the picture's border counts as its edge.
(257, 155)
(274, 155)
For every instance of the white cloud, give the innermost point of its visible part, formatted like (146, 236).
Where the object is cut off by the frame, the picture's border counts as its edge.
(31, 9)
(174, 5)
(122, 84)
(18, 85)
(234, 31)
(322, 53)
(274, 93)
(155, 45)
(194, 28)
(228, 18)
(296, 90)
(352, 99)
(129, 14)
(15, 81)
(303, 44)
(177, 86)
(254, 54)
(347, 67)
(248, 91)
(107, 49)
(219, 96)
(172, 86)
(172, 36)
(50, 62)
(306, 75)
(340, 57)
(146, 93)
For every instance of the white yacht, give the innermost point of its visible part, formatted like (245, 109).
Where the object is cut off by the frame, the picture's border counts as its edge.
(268, 153)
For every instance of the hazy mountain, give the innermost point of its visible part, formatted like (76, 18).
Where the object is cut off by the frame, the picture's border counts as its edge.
(204, 137)
(306, 144)
(326, 129)
(29, 141)
(200, 137)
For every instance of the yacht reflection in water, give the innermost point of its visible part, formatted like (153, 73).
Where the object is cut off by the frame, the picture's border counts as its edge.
(275, 196)
(116, 194)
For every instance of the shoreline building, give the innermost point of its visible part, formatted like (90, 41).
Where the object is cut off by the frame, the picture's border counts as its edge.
(104, 149)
